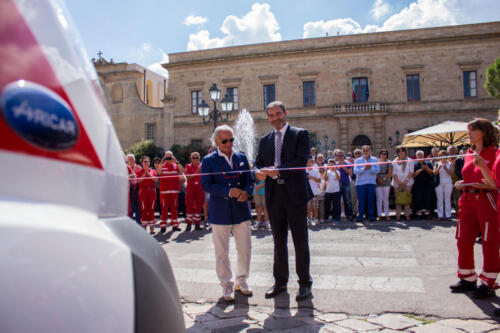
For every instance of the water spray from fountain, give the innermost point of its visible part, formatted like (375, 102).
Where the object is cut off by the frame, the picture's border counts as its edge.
(244, 130)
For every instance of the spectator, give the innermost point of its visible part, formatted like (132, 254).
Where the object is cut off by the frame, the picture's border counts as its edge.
(455, 192)
(332, 191)
(354, 193)
(345, 182)
(171, 173)
(383, 185)
(147, 194)
(207, 196)
(320, 163)
(260, 205)
(134, 189)
(423, 185)
(314, 178)
(434, 160)
(194, 192)
(313, 154)
(366, 174)
(442, 168)
(156, 163)
(459, 165)
(329, 154)
(402, 181)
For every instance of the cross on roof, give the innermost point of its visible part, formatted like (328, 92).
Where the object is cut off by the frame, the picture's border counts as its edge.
(100, 54)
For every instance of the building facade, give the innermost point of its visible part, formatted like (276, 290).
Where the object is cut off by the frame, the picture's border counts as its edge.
(346, 90)
(134, 97)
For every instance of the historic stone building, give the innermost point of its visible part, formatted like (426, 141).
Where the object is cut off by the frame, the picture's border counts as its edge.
(355, 89)
(134, 97)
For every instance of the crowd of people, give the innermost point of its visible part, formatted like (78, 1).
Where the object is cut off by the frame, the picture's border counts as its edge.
(358, 185)
(355, 185)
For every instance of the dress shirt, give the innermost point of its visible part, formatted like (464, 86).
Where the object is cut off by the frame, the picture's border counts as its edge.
(364, 177)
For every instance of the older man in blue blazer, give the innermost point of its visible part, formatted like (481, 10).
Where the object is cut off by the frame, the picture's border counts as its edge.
(226, 176)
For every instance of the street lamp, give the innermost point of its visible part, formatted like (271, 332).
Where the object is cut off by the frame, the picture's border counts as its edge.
(398, 138)
(326, 146)
(215, 115)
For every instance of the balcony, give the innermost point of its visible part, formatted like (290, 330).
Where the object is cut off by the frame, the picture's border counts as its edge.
(360, 107)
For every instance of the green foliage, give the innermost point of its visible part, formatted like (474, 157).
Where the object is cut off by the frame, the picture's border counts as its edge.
(183, 153)
(492, 83)
(148, 148)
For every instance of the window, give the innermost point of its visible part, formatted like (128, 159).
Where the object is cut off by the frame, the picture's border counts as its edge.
(470, 84)
(150, 131)
(360, 91)
(269, 95)
(233, 93)
(196, 142)
(309, 94)
(195, 100)
(413, 87)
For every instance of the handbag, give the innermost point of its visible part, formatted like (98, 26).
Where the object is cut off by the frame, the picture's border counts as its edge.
(403, 198)
(380, 181)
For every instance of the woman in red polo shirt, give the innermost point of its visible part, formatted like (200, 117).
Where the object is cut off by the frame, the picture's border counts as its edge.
(147, 194)
(478, 213)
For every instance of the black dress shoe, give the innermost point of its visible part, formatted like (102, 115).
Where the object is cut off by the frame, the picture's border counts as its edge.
(188, 227)
(197, 227)
(463, 286)
(163, 230)
(275, 290)
(176, 229)
(304, 293)
(484, 292)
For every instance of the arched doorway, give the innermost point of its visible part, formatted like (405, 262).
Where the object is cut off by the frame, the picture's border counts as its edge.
(360, 141)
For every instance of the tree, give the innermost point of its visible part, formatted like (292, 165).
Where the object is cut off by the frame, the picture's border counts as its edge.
(183, 153)
(492, 83)
(146, 148)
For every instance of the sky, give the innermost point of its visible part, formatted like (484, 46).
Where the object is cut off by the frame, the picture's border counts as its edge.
(146, 31)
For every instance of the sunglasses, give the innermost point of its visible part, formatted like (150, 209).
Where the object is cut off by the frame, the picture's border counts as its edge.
(195, 158)
(226, 140)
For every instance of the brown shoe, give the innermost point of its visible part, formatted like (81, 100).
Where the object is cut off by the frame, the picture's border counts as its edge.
(379, 218)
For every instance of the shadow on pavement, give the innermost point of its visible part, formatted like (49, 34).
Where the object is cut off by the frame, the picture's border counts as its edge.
(488, 306)
(383, 226)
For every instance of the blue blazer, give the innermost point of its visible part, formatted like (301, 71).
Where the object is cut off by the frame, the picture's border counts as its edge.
(222, 208)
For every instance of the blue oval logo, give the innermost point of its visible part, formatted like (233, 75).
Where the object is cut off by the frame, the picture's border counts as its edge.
(39, 116)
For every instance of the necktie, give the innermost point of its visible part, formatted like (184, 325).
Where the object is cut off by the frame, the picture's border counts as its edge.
(277, 149)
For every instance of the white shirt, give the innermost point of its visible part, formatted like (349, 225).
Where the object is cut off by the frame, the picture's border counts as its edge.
(333, 184)
(444, 177)
(314, 184)
(397, 169)
(229, 159)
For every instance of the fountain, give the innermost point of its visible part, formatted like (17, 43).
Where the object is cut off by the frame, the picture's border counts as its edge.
(244, 130)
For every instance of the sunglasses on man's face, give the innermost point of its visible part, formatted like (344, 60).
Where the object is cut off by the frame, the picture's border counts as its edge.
(226, 140)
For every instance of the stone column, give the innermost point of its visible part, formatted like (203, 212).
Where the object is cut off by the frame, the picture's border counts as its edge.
(343, 134)
(168, 121)
(379, 133)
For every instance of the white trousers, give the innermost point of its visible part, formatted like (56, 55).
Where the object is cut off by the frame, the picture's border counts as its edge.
(220, 237)
(443, 195)
(383, 200)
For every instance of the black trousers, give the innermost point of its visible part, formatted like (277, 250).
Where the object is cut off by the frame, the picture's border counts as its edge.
(284, 214)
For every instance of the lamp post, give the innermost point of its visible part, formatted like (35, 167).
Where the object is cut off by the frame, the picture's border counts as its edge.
(326, 145)
(397, 142)
(215, 115)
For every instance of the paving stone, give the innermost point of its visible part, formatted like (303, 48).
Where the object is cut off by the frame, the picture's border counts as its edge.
(197, 328)
(259, 316)
(467, 325)
(357, 325)
(388, 330)
(243, 327)
(253, 328)
(203, 317)
(334, 328)
(193, 308)
(310, 320)
(282, 323)
(434, 328)
(282, 313)
(230, 322)
(229, 312)
(313, 328)
(394, 321)
(331, 317)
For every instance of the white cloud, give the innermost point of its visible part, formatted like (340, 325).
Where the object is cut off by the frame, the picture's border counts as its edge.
(419, 14)
(157, 68)
(144, 50)
(194, 20)
(257, 26)
(380, 9)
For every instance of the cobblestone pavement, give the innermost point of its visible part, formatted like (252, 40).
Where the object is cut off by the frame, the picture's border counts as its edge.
(204, 317)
